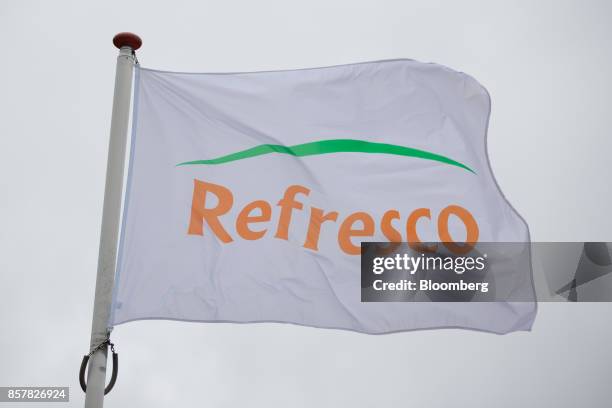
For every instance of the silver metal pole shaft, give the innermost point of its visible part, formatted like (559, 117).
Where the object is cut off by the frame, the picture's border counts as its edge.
(107, 257)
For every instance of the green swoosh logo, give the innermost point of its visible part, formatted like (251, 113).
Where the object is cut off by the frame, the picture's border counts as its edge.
(330, 146)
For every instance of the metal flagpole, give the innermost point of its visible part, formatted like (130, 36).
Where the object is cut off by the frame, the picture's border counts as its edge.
(107, 257)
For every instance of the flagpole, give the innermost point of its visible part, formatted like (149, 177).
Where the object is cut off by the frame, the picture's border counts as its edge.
(127, 43)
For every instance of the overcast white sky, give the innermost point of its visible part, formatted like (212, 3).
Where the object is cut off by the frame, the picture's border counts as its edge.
(547, 66)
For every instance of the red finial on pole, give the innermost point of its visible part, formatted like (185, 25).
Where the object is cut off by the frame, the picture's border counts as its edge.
(127, 40)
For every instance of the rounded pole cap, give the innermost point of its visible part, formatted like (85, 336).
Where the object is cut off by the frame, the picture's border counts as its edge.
(127, 40)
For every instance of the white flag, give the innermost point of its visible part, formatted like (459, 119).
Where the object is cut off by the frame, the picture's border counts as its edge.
(249, 193)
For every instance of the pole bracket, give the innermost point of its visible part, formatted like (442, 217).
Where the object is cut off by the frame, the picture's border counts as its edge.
(85, 360)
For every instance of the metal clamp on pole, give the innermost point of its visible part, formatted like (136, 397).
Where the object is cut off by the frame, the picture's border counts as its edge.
(113, 379)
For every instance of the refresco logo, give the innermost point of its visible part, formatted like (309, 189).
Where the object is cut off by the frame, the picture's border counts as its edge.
(319, 218)
(251, 222)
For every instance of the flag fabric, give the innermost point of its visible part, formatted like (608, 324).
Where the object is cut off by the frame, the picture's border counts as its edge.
(248, 194)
